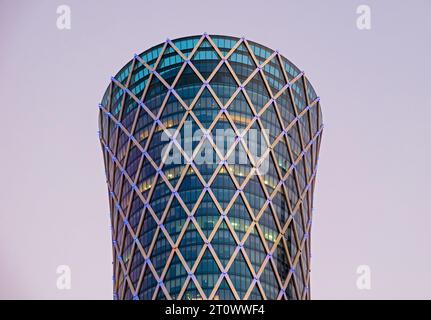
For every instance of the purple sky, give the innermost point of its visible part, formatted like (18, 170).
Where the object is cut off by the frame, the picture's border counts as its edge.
(371, 202)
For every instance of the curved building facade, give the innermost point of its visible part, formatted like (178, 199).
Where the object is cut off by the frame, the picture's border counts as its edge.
(210, 146)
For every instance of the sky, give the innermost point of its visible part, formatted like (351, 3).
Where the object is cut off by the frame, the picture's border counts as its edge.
(371, 199)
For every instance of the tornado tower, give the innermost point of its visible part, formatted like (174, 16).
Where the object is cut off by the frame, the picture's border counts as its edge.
(210, 145)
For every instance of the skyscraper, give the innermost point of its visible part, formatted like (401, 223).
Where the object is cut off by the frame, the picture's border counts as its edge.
(210, 146)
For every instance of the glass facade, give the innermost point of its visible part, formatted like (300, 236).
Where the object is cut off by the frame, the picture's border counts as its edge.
(237, 226)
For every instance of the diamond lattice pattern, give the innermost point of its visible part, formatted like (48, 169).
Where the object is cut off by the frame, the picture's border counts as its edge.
(226, 229)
